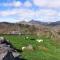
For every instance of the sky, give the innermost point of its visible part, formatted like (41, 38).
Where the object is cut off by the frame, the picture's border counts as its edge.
(26, 10)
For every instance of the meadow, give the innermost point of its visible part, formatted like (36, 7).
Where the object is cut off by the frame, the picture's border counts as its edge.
(46, 50)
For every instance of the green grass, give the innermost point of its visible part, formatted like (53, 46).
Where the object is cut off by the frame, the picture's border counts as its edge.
(52, 52)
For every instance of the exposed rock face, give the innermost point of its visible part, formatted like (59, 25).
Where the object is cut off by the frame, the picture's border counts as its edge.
(6, 52)
(8, 56)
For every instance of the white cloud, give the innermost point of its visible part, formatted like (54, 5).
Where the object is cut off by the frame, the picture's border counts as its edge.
(8, 12)
(27, 4)
(14, 4)
(47, 3)
(47, 15)
(54, 4)
(26, 14)
(40, 2)
(17, 4)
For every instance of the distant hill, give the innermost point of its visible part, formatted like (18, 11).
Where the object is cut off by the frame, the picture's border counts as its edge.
(45, 23)
(38, 22)
(31, 27)
(54, 23)
(34, 22)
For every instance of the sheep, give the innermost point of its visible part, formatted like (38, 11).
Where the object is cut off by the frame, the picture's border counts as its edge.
(26, 38)
(39, 40)
(2, 38)
(29, 47)
(23, 48)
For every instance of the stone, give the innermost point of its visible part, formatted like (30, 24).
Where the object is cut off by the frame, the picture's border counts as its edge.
(6, 52)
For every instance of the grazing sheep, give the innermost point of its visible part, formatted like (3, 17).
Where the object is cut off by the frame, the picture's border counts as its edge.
(39, 40)
(26, 38)
(2, 38)
(29, 47)
(23, 48)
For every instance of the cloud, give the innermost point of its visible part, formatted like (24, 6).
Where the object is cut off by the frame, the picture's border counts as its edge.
(12, 4)
(40, 2)
(8, 12)
(27, 15)
(47, 3)
(17, 4)
(27, 4)
(45, 14)
(54, 4)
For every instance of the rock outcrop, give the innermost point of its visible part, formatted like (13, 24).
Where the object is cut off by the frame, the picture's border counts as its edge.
(6, 52)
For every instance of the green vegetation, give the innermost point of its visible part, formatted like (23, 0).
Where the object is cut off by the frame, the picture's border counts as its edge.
(46, 50)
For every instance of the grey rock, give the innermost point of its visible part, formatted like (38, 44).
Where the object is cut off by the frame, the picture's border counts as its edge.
(6, 52)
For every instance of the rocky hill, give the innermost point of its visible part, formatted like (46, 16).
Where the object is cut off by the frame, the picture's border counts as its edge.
(6, 51)
(31, 27)
(22, 27)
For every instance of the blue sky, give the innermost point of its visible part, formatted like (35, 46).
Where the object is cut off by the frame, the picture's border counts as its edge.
(20, 10)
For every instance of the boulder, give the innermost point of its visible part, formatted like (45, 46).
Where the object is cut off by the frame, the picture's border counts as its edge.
(6, 51)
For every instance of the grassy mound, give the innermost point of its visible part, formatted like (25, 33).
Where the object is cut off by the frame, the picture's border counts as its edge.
(46, 50)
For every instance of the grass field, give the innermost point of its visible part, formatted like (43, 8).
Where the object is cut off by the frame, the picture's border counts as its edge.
(46, 50)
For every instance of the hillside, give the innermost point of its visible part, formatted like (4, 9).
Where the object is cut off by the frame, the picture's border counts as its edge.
(32, 27)
(48, 49)
(22, 27)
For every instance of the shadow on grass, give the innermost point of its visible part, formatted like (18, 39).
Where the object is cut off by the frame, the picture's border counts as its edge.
(17, 58)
